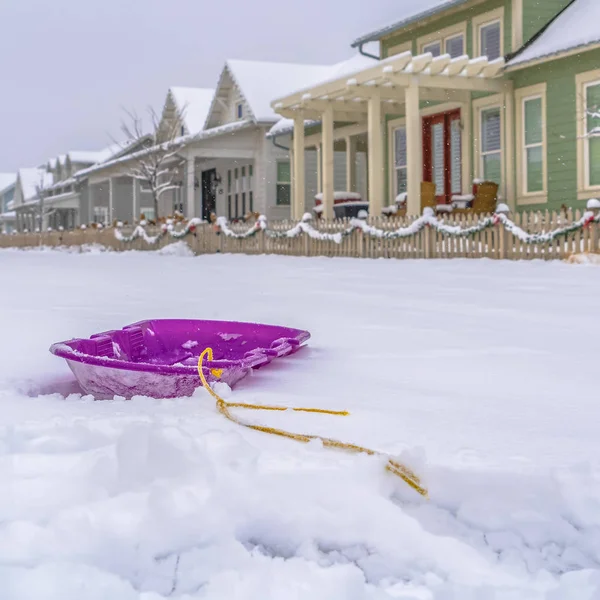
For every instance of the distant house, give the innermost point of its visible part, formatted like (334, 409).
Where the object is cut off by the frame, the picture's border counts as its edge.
(7, 195)
(227, 165)
(463, 90)
(65, 191)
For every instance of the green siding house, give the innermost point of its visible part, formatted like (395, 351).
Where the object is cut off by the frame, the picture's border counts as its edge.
(468, 90)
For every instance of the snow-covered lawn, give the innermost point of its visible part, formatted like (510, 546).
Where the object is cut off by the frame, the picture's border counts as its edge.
(482, 375)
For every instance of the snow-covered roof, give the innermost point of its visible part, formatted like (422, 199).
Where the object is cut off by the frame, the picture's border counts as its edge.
(7, 180)
(228, 128)
(194, 104)
(32, 177)
(91, 156)
(345, 67)
(576, 27)
(260, 82)
(408, 12)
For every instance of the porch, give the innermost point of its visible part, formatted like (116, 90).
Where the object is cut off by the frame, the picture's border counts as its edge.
(422, 106)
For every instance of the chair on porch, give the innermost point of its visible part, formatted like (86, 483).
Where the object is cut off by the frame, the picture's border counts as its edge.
(427, 195)
(486, 198)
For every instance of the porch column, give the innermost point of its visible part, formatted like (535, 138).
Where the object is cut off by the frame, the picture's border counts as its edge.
(319, 169)
(375, 156)
(414, 150)
(134, 211)
(509, 155)
(350, 163)
(190, 178)
(328, 184)
(110, 201)
(298, 196)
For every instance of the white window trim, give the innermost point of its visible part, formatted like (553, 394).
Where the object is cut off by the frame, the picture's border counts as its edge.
(489, 18)
(397, 124)
(583, 81)
(442, 36)
(278, 183)
(495, 101)
(399, 48)
(522, 95)
(437, 42)
(101, 211)
(465, 114)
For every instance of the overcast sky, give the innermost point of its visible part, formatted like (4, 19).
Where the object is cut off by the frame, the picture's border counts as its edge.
(68, 66)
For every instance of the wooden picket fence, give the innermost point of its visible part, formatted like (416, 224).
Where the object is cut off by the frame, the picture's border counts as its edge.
(495, 242)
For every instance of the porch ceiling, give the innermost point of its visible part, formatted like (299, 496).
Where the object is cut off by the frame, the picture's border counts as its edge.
(439, 79)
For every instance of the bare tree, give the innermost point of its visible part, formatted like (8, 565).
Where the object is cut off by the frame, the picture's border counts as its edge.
(41, 191)
(158, 164)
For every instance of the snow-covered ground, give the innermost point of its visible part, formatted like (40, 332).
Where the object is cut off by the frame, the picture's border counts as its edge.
(482, 375)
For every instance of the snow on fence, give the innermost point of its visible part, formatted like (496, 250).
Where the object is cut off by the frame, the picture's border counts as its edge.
(529, 235)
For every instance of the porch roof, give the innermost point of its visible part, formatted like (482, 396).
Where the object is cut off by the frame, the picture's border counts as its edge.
(436, 77)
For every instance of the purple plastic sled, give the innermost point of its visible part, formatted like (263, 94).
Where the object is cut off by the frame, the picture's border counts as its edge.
(159, 358)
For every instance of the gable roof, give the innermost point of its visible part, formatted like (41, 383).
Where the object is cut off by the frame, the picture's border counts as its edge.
(30, 178)
(7, 180)
(409, 12)
(576, 27)
(193, 105)
(259, 82)
(346, 67)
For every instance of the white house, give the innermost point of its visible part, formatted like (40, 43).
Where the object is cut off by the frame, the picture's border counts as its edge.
(7, 192)
(228, 164)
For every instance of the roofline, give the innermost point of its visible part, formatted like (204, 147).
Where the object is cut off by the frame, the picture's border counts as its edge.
(376, 35)
(553, 56)
(7, 187)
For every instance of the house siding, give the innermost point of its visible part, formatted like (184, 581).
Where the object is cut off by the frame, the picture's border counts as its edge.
(443, 22)
(561, 131)
(537, 14)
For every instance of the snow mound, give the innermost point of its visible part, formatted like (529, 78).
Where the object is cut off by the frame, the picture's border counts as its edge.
(176, 249)
(584, 259)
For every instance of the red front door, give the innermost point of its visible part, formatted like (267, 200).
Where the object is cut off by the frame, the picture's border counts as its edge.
(442, 154)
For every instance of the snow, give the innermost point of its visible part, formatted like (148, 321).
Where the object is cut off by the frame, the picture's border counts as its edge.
(7, 180)
(405, 13)
(577, 27)
(340, 195)
(483, 378)
(32, 177)
(194, 104)
(260, 82)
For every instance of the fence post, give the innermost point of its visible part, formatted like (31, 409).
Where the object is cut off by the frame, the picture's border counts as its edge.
(593, 206)
(501, 232)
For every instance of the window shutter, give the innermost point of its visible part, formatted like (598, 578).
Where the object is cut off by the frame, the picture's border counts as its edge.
(490, 41)
(455, 46)
(490, 130)
(400, 146)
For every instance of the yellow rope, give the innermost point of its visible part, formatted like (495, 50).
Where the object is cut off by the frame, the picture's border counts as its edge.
(223, 406)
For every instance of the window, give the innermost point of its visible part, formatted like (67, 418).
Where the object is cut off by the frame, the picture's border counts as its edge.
(400, 159)
(250, 192)
(592, 134)
(488, 32)
(434, 47)
(533, 140)
(455, 46)
(101, 214)
(489, 41)
(450, 40)
(284, 180)
(491, 145)
(239, 110)
(183, 130)
(240, 196)
(148, 212)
